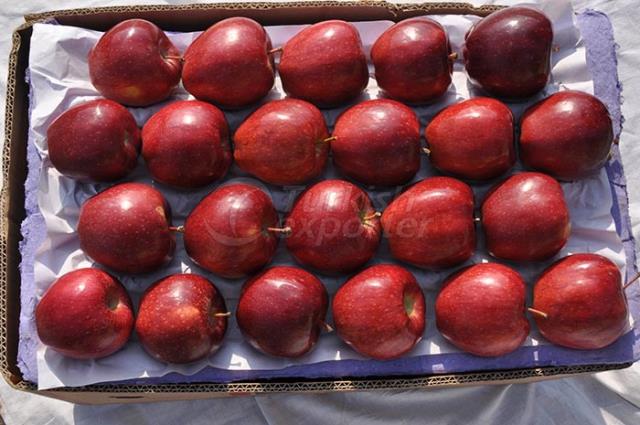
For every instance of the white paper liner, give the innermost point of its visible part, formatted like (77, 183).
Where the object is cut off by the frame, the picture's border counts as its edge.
(60, 79)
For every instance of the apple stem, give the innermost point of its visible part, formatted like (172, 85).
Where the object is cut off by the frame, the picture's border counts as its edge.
(327, 327)
(453, 56)
(636, 277)
(538, 312)
(179, 229)
(328, 139)
(225, 314)
(281, 230)
(427, 151)
(372, 216)
(273, 51)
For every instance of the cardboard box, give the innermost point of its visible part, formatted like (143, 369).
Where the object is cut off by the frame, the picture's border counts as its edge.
(192, 17)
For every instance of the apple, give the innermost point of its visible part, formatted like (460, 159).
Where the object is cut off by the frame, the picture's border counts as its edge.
(233, 231)
(324, 64)
(508, 53)
(377, 142)
(85, 314)
(281, 311)
(431, 224)
(380, 312)
(284, 142)
(472, 139)
(481, 310)
(127, 228)
(230, 64)
(413, 60)
(579, 302)
(97, 141)
(525, 218)
(186, 144)
(135, 63)
(333, 227)
(567, 135)
(182, 318)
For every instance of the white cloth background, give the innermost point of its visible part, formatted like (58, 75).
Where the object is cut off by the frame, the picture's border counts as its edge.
(606, 398)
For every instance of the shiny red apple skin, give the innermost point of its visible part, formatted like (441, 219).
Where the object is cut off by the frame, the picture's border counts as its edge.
(411, 61)
(126, 228)
(282, 142)
(281, 311)
(525, 218)
(324, 64)
(567, 135)
(186, 144)
(508, 53)
(481, 310)
(583, 298)
(380, 312)
(377, 143)
(333, 227)
(431, 224)
(227, 232)
(176, 320)
(229, 64)
(472, 139)
(135, 63)
(96, 141)
(85, 314)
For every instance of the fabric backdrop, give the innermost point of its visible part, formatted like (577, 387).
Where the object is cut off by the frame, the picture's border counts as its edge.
(605, 398)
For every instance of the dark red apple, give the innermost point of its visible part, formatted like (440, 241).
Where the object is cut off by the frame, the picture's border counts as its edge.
(135, 63)
(127, 228)
(230, 64)
(377, 142)
(85, 314)
(281, 311)
(333, 227)
(525, 218)
(567, 135)
(283, 142)
(97, 140)
(431, 224)
(380, 312)
(508, 53)
(413, 60)
(231, 231)
(324, 64)
(472, 139)
(186, 144)
(182, 318)
(481, 310)
(579, 302)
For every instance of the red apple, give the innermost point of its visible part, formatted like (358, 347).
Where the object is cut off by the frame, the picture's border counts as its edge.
(281, 311)
(135, 63)
(431, 224)
(472, 139)
(231, 231)
(481, 310)
(283, 142)
(377, 142)
(579, 302)
(525, 218)
(380, 312)
(413, 60)
(186, 144)
(97, 140)
(508, 53)
(230, 63)
(324, 64)
(127, 228)
(567, 135)
(333, 227)
(182, 318)
(85, 314)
